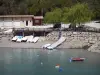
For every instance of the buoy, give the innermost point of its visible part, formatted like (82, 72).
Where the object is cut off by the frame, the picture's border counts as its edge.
(37, 55)
(70, 60)
(41, 63)
(60, 69)
(57, 66)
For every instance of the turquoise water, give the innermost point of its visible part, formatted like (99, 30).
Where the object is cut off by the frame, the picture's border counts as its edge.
(43, 62)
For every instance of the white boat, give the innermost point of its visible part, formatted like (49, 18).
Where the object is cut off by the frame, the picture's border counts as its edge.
(29, 39)
(14, 38)
(46, 45)
(50, 47)
(24, 39)
(19, 39)
(35, 39)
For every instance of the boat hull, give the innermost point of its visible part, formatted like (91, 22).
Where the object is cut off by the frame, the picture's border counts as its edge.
(77, 59)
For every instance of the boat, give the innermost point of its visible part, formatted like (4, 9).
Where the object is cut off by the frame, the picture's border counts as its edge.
(24, 39)
(46, 45)
(29, 38)
(77, 59)
(35, 39)
(19, 39)
(14, 38)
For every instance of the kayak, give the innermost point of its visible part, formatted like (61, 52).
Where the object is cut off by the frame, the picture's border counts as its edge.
(77, 59)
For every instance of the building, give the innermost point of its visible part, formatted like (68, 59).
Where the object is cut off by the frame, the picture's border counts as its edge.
(25, 24)
(20, 20)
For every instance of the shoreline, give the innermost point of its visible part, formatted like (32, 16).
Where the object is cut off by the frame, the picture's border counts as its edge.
(9, 44)
(5, 42)
(74, 40)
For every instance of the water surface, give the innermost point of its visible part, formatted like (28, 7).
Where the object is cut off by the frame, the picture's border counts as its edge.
(28, 62)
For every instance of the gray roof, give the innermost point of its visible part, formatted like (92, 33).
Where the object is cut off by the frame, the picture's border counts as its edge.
(16, 16)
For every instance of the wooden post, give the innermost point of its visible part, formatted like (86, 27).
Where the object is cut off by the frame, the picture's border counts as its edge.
(23, 32)
(44, 33)
(33, 33)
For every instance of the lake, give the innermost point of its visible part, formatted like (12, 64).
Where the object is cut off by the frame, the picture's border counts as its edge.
(15, 61)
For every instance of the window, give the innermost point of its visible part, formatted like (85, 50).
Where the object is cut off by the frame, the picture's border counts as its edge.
(36, 21)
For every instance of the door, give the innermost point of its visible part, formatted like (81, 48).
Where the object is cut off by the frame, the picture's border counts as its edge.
(26, 23)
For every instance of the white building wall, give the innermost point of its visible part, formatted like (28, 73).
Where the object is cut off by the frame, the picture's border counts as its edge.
(22, 23)
(8, 22)
(15, 22)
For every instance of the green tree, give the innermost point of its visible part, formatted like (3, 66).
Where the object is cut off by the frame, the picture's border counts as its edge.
(79, 13)
(53, 16)
(40, 7)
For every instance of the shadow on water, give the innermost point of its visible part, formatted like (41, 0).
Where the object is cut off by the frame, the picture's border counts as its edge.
(43, 62)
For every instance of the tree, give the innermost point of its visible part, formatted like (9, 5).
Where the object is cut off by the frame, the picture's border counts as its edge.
(40, 7)
(65, 15)
(79, 13)
(95, 6)
(53, 16)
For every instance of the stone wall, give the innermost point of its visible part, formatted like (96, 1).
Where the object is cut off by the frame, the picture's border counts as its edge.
(75, 39)
(95, 47)
(91, 37)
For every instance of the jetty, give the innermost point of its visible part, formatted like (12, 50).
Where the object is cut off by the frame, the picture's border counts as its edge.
(54, 45)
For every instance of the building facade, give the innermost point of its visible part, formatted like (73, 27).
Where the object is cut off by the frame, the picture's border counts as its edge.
(20, 20)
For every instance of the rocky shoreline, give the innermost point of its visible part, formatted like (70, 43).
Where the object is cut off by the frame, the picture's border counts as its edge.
(83, 40)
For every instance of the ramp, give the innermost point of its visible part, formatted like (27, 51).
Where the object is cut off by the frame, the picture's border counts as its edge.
(54, 45)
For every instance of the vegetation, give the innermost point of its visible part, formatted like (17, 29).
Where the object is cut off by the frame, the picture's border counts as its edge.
(79, 13)
(76, 14)
(53, 16)
(40, 7)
